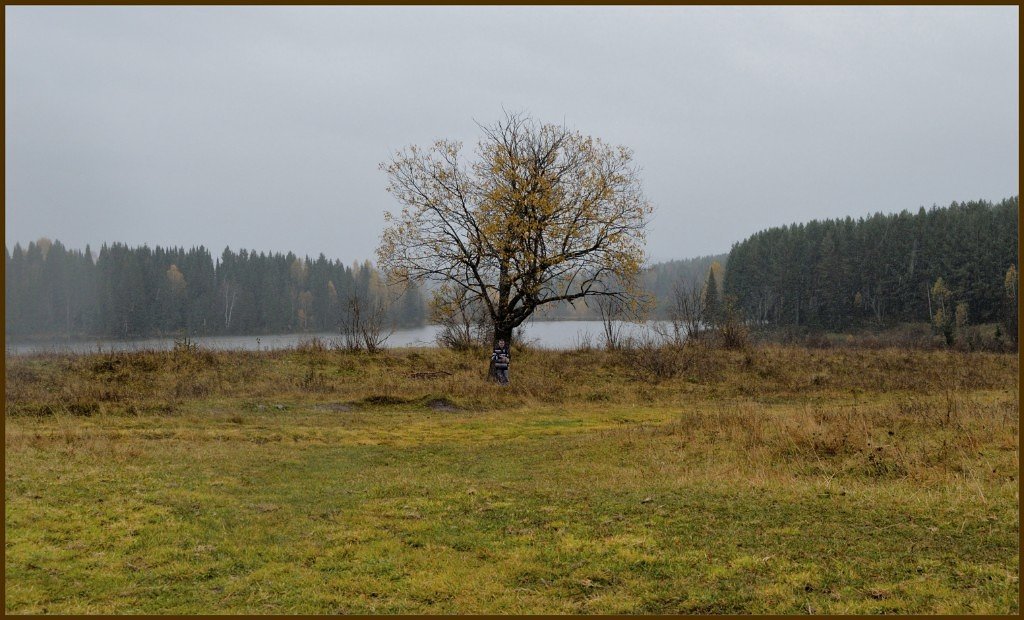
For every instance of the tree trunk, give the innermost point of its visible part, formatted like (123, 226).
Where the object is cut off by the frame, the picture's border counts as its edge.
(503, 333)
(928, 292)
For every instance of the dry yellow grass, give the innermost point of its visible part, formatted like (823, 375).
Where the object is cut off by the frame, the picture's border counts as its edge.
(772, 480)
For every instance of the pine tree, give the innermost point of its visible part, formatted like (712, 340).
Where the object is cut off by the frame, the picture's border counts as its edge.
(712, 304)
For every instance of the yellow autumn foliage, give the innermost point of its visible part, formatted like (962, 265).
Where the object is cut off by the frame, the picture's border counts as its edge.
(542, 214)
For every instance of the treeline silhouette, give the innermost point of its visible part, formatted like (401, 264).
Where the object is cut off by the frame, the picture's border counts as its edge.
(881, 270)
(944, 264)
(660, 281)
(131, 292)
(126, 292)
(664, 280)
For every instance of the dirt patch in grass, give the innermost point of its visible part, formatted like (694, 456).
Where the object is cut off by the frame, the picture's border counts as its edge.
(442, 404)
(382, 400)
(333, 407)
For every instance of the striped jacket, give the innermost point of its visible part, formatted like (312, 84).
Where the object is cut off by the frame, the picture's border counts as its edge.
(501, 358)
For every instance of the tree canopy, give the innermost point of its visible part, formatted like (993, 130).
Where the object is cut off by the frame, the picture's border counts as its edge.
(542, 215)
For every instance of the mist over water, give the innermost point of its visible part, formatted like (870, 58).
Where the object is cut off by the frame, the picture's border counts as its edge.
(541, 334)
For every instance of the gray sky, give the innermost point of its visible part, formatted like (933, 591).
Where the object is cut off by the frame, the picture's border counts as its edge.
(262, 127)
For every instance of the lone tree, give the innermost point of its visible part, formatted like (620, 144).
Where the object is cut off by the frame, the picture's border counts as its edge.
(542, 215)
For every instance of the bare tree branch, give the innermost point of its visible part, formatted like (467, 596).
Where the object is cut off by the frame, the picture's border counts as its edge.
(542, 215)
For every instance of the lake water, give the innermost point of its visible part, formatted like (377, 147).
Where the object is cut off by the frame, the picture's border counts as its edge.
(544, 334)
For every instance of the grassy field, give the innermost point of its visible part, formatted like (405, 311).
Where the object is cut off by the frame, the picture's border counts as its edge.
(772, 480)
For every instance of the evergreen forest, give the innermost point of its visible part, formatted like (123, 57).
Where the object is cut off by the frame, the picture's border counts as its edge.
(126, 292)
(940, 264)
(944, 265)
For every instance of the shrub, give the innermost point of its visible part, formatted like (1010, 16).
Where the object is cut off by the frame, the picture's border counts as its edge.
(733, 334)
(311, 345)
(651, 362)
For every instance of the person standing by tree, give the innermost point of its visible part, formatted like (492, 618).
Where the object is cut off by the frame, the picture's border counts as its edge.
(501, 359)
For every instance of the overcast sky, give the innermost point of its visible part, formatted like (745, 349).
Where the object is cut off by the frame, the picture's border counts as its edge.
(263, 127)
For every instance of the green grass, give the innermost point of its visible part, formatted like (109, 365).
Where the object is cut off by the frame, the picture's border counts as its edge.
(777, 480)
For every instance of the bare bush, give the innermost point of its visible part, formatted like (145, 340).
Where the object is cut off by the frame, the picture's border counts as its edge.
(583, 342)
(463, 321)
(185, 346)
(311, 345)
(687, 313)
(732, 333)
(613, 312)
(362, 327)
(652, 359)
